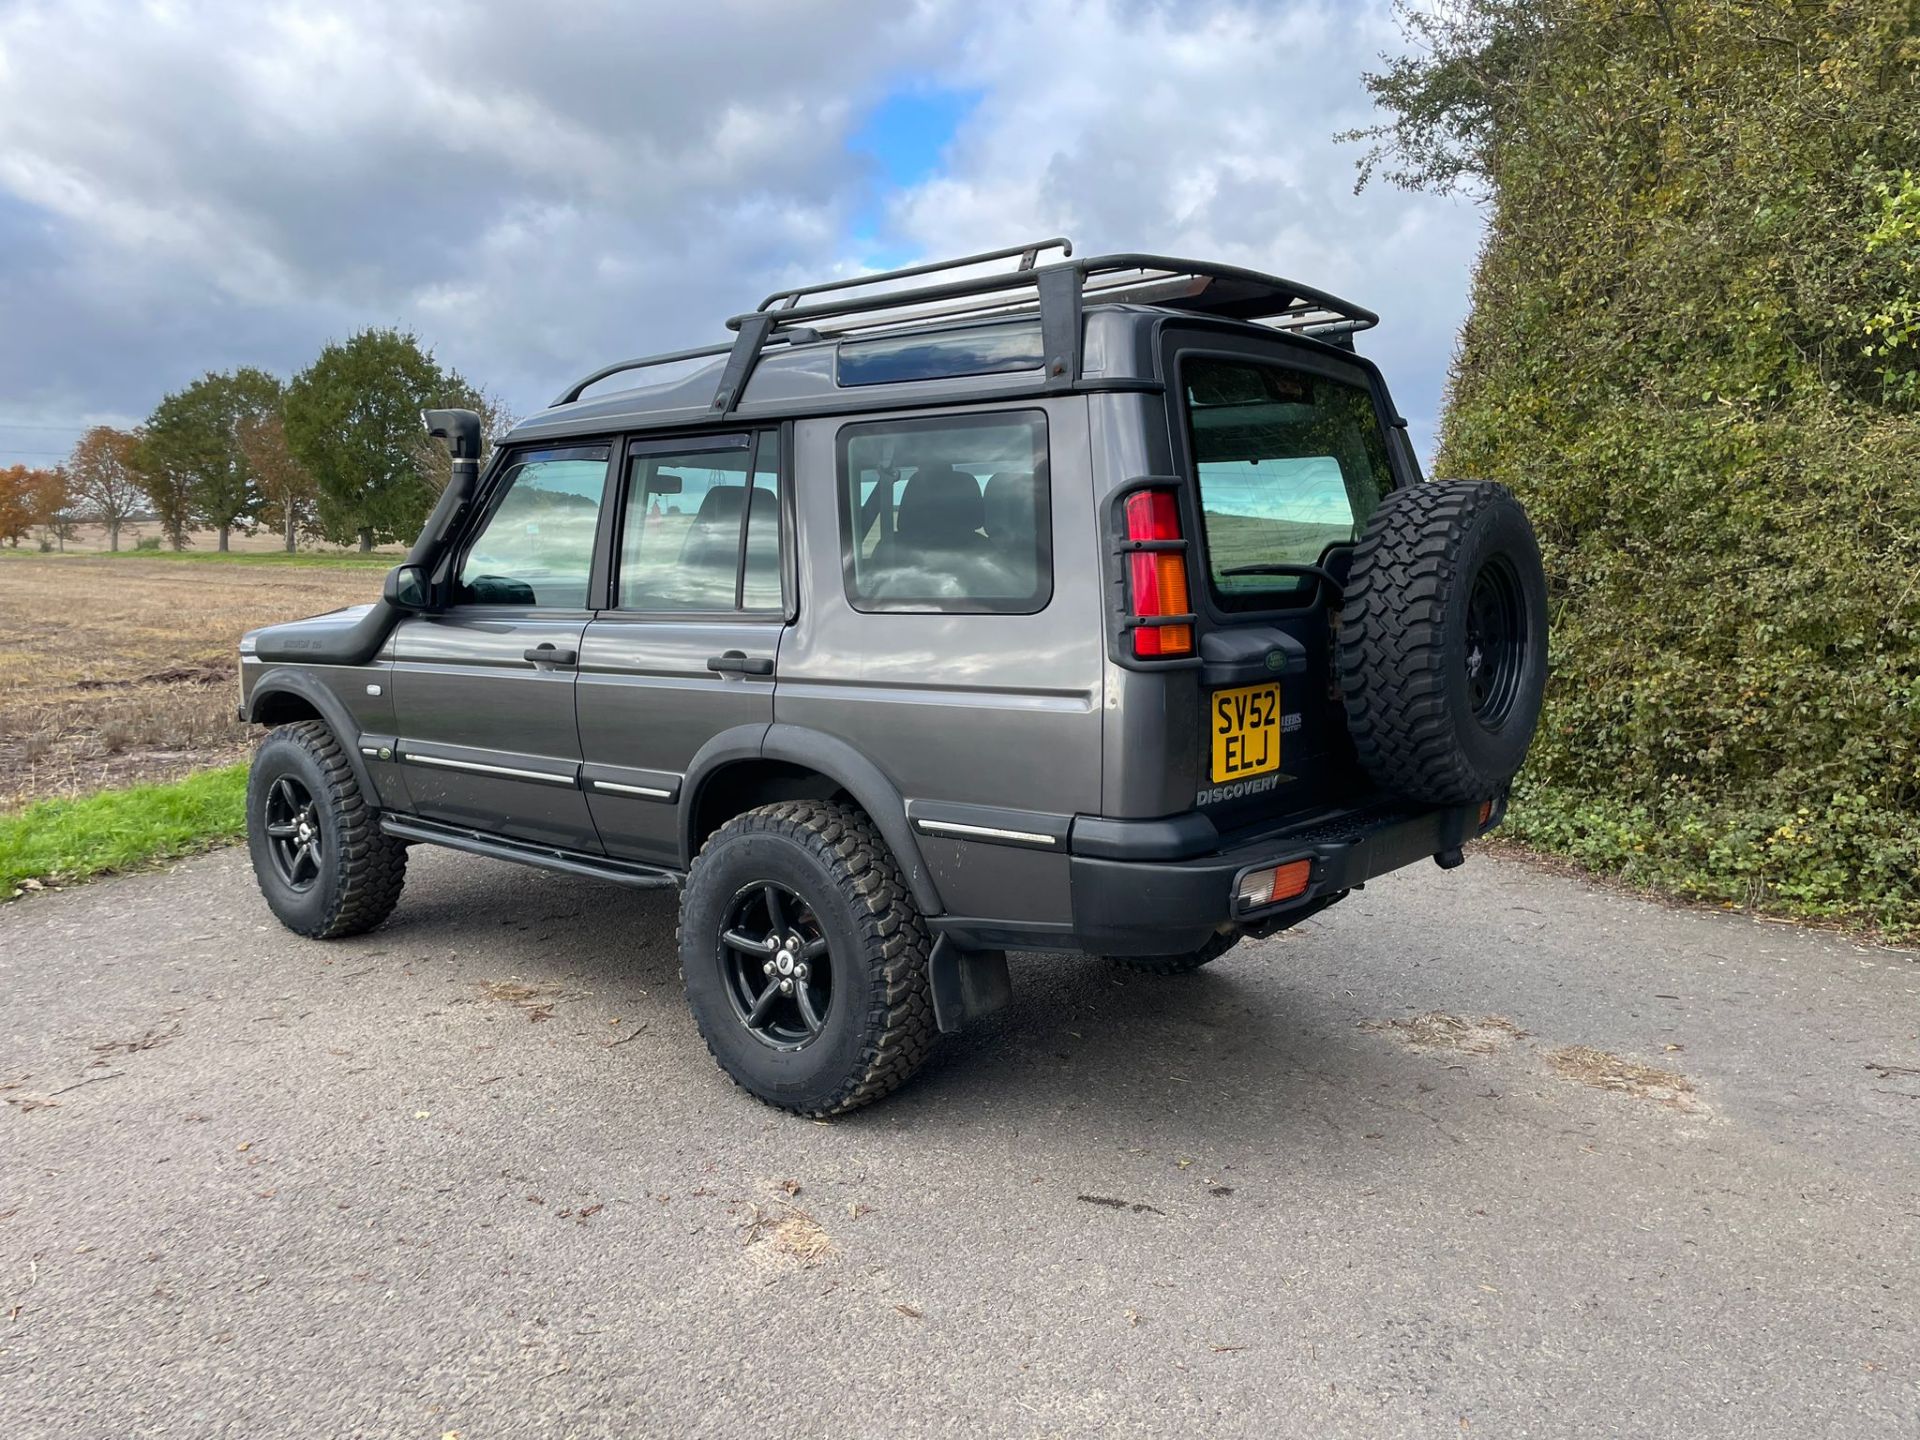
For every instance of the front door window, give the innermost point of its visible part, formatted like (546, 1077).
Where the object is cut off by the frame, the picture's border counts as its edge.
(536, 548)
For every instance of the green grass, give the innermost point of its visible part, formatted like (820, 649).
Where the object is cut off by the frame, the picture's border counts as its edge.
(121, 829)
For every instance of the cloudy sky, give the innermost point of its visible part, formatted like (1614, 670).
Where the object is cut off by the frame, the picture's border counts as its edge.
(537, 189)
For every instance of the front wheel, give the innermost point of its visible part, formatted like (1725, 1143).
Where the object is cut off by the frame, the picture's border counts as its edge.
(318, 854)
(804, 958)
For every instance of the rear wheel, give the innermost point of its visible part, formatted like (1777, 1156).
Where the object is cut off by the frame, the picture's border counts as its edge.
(318, 855)
(1192, 960)
(805, 959)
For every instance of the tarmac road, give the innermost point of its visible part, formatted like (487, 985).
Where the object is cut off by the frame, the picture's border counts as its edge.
(475, 1174)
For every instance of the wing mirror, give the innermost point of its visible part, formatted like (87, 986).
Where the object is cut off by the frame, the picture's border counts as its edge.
(406, 587)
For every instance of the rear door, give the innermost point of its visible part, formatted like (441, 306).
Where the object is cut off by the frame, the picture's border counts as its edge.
(1288, 454)
(483, 690)
(686, 654)
(952, 634)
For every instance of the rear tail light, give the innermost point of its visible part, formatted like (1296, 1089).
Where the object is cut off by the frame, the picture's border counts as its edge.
(1486, 813)
(1158, 577)
(1282, 882)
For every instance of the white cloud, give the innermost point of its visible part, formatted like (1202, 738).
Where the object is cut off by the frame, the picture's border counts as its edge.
(1203, 132)
(537, 190)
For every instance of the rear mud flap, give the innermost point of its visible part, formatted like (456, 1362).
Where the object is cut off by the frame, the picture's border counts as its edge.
(968, 985)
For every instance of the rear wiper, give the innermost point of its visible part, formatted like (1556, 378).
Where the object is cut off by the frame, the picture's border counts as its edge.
(1283, 567)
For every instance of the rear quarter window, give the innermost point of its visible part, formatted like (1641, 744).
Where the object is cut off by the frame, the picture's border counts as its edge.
(947, 513)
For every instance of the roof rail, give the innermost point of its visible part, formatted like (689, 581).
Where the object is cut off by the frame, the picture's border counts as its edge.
(1060, 291)
(1029, 254)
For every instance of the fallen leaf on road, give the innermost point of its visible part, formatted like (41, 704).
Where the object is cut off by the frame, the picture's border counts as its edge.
(1111, 1202)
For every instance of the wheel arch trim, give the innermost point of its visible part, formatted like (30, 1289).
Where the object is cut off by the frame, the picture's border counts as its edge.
(305, 687)
(832, 757)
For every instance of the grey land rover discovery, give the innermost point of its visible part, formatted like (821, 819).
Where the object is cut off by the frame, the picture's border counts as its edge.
(1017, 601)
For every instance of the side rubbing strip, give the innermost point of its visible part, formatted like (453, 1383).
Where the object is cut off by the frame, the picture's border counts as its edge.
(645, 791)
(985, 832)
(479, 769)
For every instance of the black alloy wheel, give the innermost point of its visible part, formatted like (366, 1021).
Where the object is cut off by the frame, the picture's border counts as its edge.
(776, 966)
(1496, 649)
(321, 860)
(294, 834)
(805, 958)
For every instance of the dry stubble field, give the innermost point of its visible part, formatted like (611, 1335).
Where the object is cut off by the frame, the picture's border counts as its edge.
(117, 670)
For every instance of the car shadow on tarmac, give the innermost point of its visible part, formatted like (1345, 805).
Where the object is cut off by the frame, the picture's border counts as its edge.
(1249, 1050)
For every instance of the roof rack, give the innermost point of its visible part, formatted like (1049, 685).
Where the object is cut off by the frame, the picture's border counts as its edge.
(1059, 291)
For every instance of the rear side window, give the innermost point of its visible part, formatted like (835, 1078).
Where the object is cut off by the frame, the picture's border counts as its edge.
(947, 513)
(1289, 464)
(701, 529)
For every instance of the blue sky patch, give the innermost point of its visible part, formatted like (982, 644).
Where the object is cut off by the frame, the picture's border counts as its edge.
(904, 138)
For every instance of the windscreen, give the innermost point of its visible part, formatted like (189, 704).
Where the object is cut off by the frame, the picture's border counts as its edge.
(1289, 464)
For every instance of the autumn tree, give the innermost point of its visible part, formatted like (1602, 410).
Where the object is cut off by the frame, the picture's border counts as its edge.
(16, 504)
(50, 500)
(193, 446)
(104, 478)
(353, 419)
(286, 486)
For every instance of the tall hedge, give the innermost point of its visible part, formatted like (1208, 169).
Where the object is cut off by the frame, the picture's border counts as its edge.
(1692, 350)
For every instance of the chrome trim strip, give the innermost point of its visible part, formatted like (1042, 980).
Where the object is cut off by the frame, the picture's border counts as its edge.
(644, 790)
(983, 832)
(478, 768)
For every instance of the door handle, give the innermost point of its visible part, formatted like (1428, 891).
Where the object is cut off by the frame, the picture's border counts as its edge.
(738, 662)
(547, 653)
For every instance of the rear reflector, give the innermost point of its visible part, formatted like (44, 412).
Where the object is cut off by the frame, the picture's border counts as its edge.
(1486, 813)
(1282, 882)
(1158, 577)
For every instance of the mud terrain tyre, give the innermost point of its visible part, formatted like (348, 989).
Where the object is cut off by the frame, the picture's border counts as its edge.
(1215, 947)
(1443, 641)
(804, 958)
(318, 855)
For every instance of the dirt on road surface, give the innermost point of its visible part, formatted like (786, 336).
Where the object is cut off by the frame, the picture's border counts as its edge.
(1492, 1153)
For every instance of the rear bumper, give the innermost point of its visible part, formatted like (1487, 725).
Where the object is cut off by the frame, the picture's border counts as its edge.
(1140, 905)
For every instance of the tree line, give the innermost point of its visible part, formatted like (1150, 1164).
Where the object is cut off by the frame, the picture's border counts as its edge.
(336, 453)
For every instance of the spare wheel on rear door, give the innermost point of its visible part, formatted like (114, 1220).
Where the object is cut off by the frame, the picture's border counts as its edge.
(1443, 641)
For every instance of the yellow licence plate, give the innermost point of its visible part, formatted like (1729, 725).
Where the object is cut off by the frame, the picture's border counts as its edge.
(1246, 731)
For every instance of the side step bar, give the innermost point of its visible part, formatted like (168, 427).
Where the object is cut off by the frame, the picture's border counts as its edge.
(520, 852)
